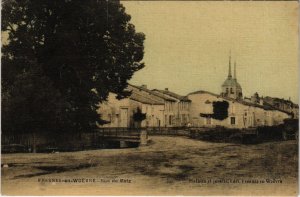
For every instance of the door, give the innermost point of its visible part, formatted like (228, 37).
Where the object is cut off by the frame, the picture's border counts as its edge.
(124, 117)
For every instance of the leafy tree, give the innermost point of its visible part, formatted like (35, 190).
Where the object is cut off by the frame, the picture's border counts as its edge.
(32, 105)
(220, 111)
(82, 50)
(138, 116)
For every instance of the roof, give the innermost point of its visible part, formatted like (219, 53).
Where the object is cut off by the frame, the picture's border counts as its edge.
(231, 82)
(146, 99)
(150, 92)
(279, 100)
(275, 108)
(174, 95)
(204, 92)
(265, 107)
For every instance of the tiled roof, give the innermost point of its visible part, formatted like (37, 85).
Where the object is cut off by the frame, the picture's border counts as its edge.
(265, 107)
(150, 92)
(146, 99)
(204, 92)
(172, 94)
(279, 100)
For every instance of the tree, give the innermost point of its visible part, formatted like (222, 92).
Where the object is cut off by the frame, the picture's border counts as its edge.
(83, 49)
(220, 111)
(138, 116)
(31, 105)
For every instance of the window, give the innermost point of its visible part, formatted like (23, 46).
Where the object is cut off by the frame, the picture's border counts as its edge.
(232, 120)
(231, 91)
(170, 120)
(226, 90)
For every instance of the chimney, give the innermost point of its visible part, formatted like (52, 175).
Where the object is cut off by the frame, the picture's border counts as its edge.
(144, 86)
(167, 89)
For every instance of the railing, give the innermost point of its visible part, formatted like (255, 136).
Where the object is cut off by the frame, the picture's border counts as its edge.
(115, 132)
(118, 132)
(171, 131)
(125, 131)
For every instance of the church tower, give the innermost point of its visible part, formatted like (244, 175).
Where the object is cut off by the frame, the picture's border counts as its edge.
(231, 88)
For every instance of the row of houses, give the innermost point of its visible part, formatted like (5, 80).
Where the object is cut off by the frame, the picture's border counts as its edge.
(164, 108)
(240, 114)
(161, 107)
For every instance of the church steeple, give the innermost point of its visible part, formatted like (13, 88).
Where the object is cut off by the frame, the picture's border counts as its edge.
(234, 74)
(229, 67)
(231, 88)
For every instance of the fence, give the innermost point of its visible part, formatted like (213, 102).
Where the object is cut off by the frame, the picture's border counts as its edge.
(101, 137)
(27, 139)
(174, 131)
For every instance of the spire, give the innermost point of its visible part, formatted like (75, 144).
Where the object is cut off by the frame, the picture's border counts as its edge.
(234, 74)
(229, 69)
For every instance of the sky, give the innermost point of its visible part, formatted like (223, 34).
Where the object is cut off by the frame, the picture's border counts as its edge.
(188, 43)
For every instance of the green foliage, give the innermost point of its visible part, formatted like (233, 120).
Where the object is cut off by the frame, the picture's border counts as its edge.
(138, 116)
(220, 109)
(82, 50)
(31, 104)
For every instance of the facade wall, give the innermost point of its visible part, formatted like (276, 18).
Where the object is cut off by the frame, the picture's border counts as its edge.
(183, 112)
(111, 110)
(176, 113)
(169, 114)
(154, 115)
(239, 115)
(119, 113)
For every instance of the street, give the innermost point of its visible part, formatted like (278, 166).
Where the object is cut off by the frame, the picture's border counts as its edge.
(167, 166)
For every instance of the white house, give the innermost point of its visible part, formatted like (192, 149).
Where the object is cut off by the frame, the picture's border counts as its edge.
(241, 114)
(119, 113)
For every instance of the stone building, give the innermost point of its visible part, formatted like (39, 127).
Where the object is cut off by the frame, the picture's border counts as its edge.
(276, 103)
(167, 112)
(179, 113)
(119, 113)
(240, 114)
(282, 104)
(161, 107)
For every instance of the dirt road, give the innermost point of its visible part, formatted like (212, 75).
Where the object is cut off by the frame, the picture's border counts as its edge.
(167, 166)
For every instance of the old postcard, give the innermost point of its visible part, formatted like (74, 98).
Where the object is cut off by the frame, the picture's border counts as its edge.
(108, 97)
